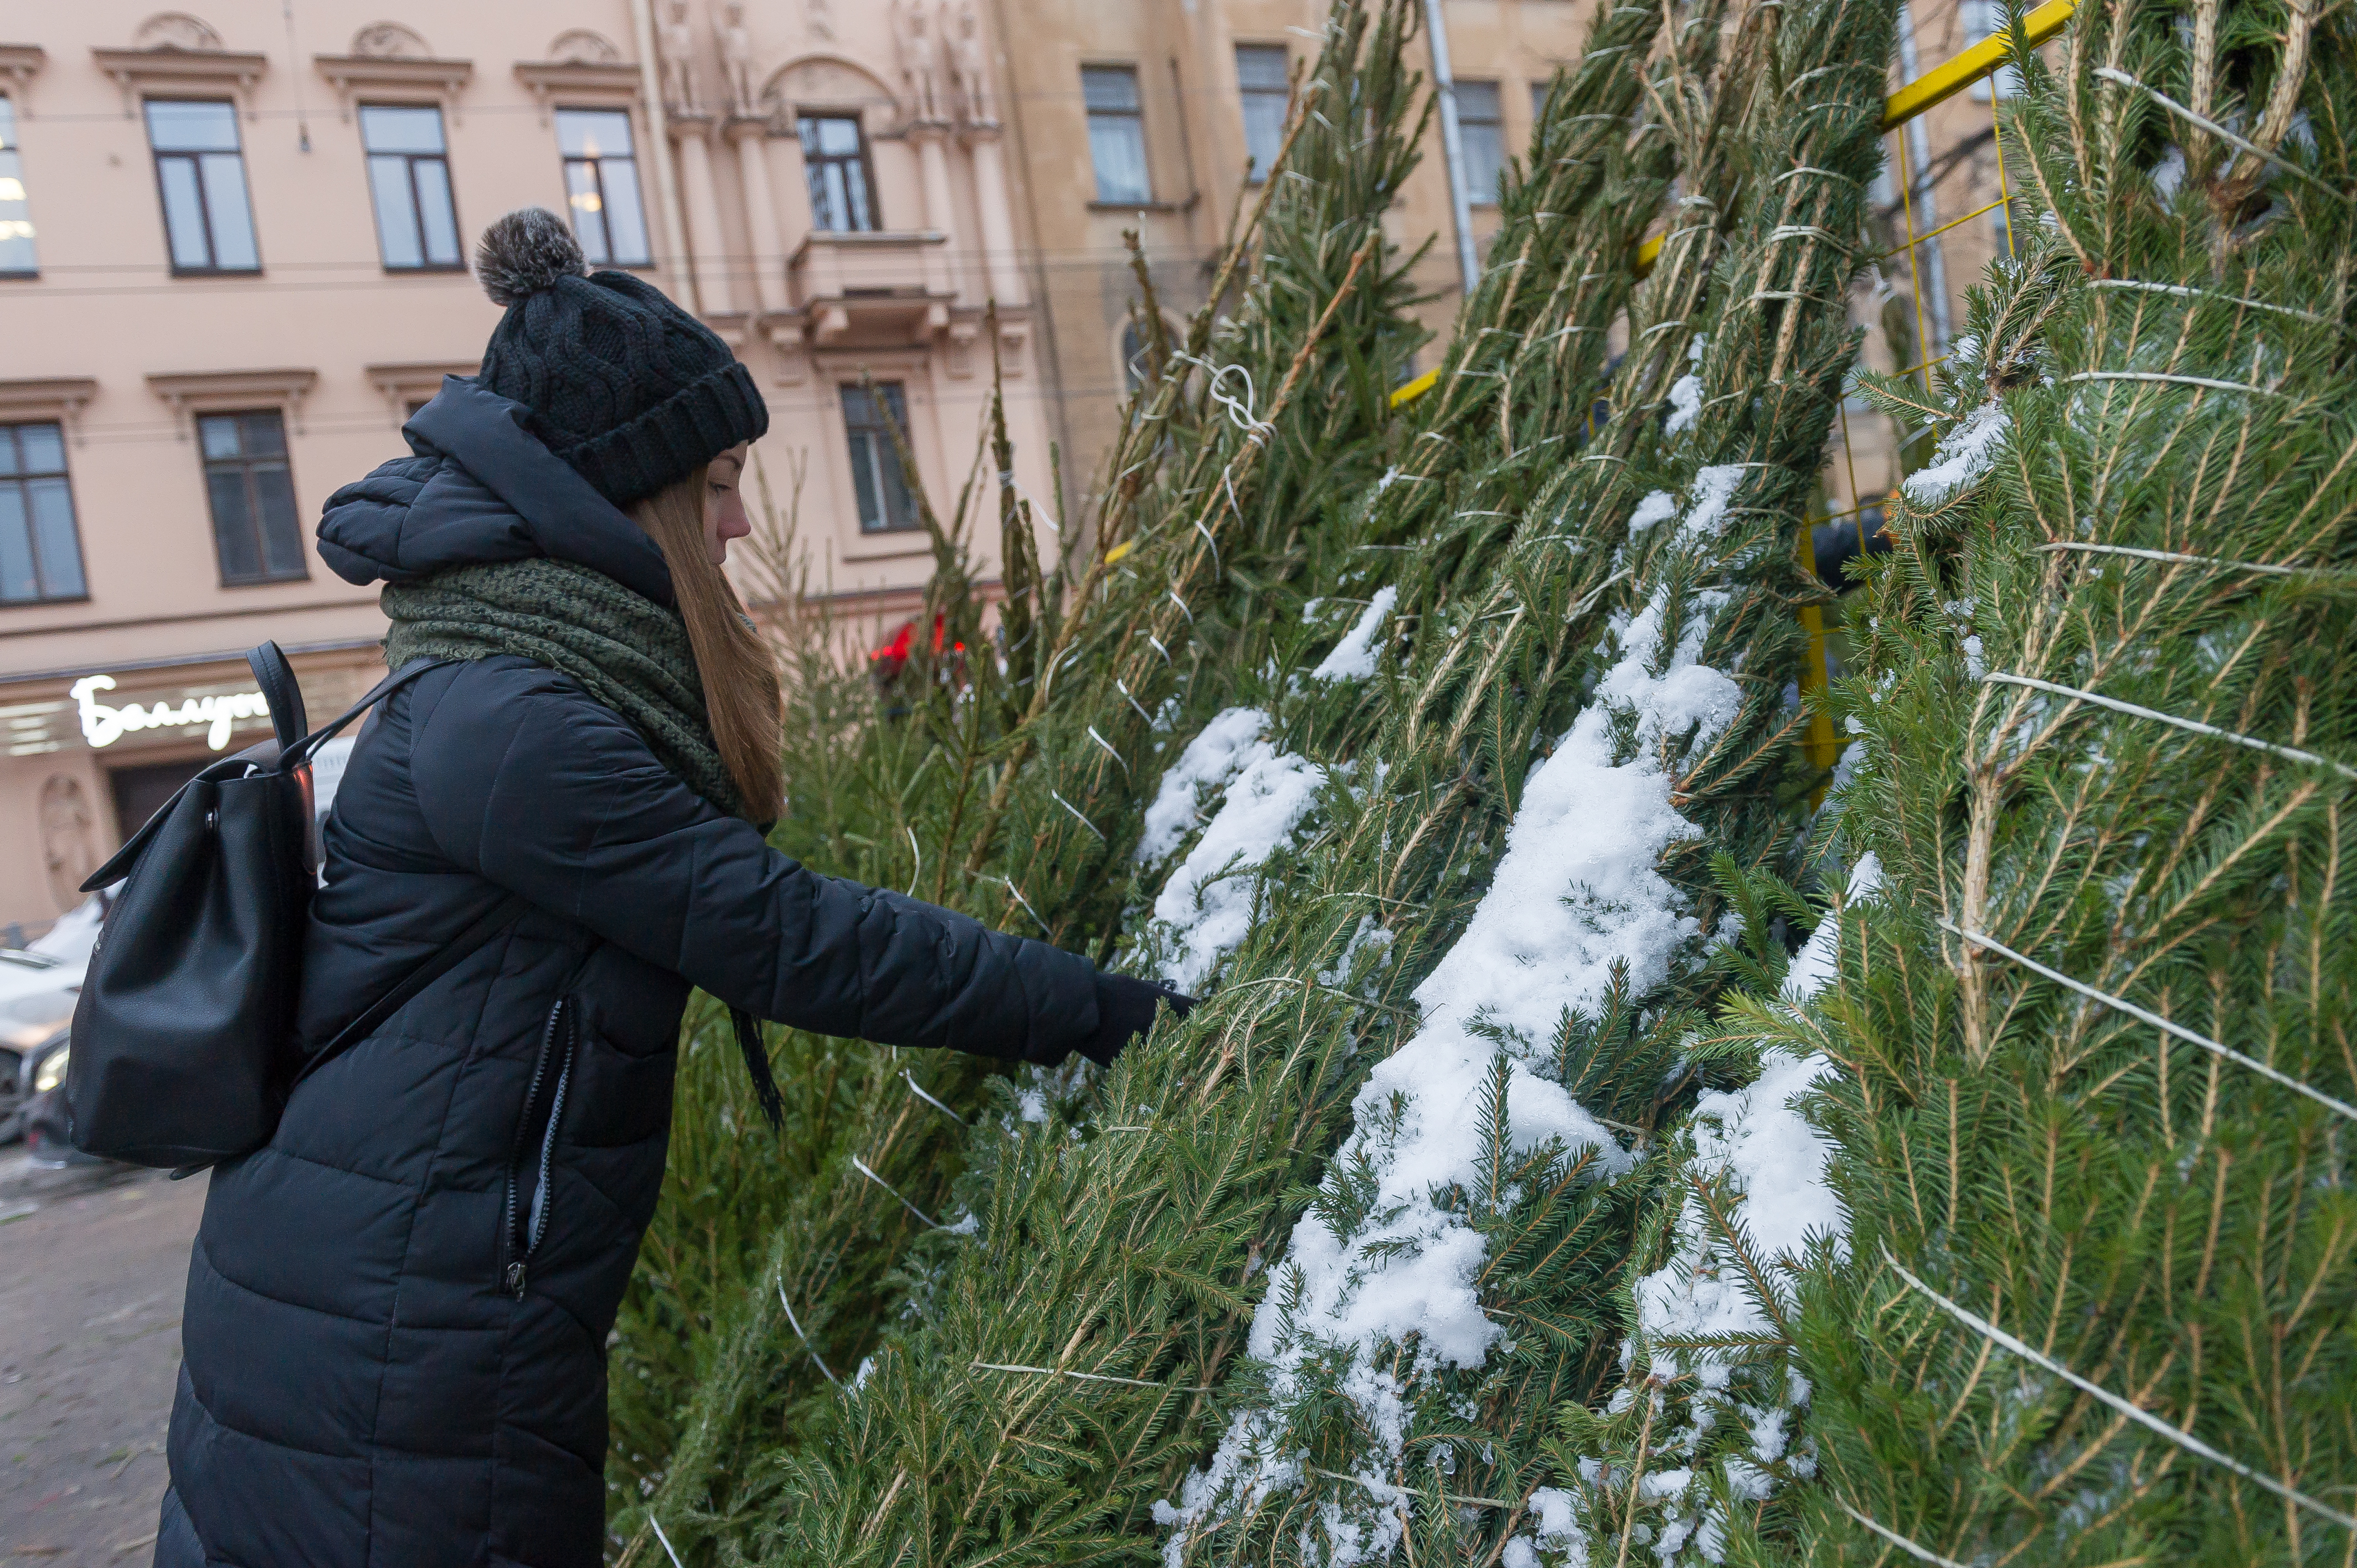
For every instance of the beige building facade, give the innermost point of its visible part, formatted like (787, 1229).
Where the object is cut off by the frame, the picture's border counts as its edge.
(232, 259)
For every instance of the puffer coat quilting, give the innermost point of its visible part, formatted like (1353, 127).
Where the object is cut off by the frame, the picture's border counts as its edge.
(370, 1379)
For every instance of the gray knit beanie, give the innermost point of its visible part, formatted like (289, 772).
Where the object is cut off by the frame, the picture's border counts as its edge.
(630, 389)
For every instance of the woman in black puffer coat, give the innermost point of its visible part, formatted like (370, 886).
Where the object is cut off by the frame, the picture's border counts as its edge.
(397, 1310)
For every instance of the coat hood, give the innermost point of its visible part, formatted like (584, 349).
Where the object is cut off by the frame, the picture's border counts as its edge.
(481, 489)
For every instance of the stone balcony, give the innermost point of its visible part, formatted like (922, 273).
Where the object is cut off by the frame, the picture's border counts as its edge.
(872, 287)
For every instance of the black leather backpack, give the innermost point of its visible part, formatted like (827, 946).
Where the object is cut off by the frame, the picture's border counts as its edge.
(183, 1050)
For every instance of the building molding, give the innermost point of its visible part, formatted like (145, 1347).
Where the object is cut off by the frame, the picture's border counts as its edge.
(137, 70)
(357, 76)
(615, 85)
(402, 384)
(57, 397)
(192, 392)
(20, 63)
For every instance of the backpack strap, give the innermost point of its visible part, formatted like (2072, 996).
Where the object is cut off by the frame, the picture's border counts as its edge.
(281, 690)
(296, 752)
(498, 919)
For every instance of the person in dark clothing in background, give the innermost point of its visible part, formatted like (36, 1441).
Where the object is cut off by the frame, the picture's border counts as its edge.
(397, 1310)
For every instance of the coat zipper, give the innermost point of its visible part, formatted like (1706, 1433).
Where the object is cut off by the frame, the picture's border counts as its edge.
(523, 1228)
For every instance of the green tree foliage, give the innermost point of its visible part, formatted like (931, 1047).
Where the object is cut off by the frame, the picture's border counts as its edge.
(2096, 1302)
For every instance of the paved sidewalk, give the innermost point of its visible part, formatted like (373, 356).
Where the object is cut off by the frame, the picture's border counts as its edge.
(92, 1262)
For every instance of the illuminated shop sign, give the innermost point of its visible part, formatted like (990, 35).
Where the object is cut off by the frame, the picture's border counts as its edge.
(102, 726)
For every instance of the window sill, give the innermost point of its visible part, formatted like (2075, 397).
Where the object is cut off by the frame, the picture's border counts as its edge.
(1142, 205)
(439, 269)
(265, 581)
(891, 544)
(216, 271)
(44, 603)
(25, 276)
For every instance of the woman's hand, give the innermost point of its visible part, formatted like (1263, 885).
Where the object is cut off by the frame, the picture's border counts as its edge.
(1124, 1011)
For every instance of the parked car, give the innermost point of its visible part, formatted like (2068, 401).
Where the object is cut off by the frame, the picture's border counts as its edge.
(38, 992)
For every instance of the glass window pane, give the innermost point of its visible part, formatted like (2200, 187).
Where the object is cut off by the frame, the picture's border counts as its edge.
(1264, 130)
(1477, 101)
(1539, 91)
(396, 216)
(232, 224)
(7, 120)
(232, 527)
(1261, 66)
(838, 137)
(43, 447)
(588, 209)
(863, 480)
(18, 582)
(830, 203)
(435, 211)
(264, 433)
(7, 448)
(218, 432)
(1485, 160)
(17, 254)
(592, 132)
(180, 126)
(282, 533)
(1117, 146)
(184, 213)
(386, 129)
(54, 545)
(626, 222)
(1109, 87)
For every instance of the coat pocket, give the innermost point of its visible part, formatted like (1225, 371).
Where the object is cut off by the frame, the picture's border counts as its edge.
(531, 1161)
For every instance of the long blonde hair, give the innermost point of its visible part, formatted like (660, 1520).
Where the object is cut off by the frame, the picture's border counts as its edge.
(740, 678)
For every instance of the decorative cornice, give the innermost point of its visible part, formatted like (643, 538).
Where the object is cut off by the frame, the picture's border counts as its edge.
(355, 75)
(399, 384)
(614, 84)
(134, 70)
(207, 392)
(60, 397)
(19, 62)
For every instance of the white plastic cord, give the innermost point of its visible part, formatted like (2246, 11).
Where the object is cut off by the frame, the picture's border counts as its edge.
(2135, 1413)
(805, 1339)
(1982, 938)
(929, 1221)
(2002, 678)
(1921, 1554)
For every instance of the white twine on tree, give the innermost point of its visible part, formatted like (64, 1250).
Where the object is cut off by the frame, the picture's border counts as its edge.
(2215, 129)
(1240, 414)
(675, 1563)
(2167, 377)
(919, 875)
(2135, 1413)
(1921, 1554)
(1009, 883)
(2003, 678)
(1076, 812)
(2176, 557)
(1109, 751)
(929, 1221)
(805, 1339)
(2182, 292)
(929, 1100)
(1087, 1377)
(1982, 938)
(1159, 649)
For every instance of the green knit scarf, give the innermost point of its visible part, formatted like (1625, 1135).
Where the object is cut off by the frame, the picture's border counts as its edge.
(631, 653)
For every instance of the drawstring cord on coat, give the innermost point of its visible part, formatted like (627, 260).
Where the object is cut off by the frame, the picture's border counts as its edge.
(757, 1064)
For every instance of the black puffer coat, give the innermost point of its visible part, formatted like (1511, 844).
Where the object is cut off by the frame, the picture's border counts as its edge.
(360, 1388)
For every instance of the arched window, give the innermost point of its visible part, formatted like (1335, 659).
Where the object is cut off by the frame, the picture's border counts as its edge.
(1136, 368)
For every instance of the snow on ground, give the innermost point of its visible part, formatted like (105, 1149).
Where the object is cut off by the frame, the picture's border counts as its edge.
(1963, 455)
(1576, 893)
(1353, 657)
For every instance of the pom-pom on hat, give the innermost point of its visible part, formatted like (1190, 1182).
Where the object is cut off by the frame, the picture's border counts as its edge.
(630, 389)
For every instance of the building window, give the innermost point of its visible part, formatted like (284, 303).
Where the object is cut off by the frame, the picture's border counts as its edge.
(1134, 370)
(842, 186)
(41, 550)
(16, 254)
(1260, 81)
(409, 176)
(202, 174)
(1116, 134)
(876, 477)
(1539, 91)
(601, 185)
(252, 497)
(1481, 132)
